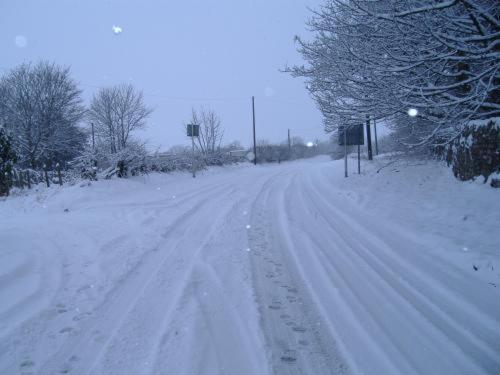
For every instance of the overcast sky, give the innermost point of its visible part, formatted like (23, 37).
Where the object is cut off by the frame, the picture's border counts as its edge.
(185, 53)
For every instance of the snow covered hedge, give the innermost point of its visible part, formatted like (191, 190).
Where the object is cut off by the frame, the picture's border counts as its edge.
(168, 162)
(476, 152)
(7, 159)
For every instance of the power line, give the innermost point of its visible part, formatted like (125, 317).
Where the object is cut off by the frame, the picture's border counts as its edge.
(193, 99)
(179, 98)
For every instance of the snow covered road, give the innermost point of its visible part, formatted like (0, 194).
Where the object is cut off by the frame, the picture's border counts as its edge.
(245, 270)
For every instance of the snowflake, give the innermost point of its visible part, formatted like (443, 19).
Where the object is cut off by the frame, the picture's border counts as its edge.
(117, 29)
(412, 112)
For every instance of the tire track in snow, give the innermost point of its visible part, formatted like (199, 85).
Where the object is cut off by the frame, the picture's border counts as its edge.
(341, 254)
(49, 320)
(296, 339)
(425, 294)
(149, 332)
(138, 333)
(210, 331)
(99, 328)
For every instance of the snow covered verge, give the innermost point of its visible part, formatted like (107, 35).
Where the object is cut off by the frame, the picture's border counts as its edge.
(460, 219)
(275, 269)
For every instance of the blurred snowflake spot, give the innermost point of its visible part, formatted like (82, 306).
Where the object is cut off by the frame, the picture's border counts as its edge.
(117, 29)
(21, 41)
(412, 112)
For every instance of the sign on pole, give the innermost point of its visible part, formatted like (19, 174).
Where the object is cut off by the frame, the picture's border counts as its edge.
(353, 135)
(193, 130)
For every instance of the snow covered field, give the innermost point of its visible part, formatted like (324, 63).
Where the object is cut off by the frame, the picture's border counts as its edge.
(282, 269)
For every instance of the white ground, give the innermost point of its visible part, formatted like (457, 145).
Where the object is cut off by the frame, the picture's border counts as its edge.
(284, 269)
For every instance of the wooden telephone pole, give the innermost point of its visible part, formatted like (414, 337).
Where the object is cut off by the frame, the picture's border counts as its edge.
(369, 138)
(254, 141)
(289, 143)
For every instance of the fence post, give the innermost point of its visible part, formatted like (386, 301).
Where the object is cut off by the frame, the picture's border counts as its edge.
(58, 166)
(20, 178)
(46, 175)
(10, 180)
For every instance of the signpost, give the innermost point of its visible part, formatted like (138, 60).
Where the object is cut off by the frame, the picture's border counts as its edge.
(351, 136)
(193, 130)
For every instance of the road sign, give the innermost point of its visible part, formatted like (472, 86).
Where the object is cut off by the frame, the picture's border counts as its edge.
(354, 135)
(193, 130)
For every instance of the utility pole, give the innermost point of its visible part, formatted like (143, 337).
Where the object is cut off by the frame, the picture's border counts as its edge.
(376, 139)
(345, 150)
(254, 141)
(94, 168)
(359, 159)
(193, 130)
(289, 146)
(194, 156)
(369, 137)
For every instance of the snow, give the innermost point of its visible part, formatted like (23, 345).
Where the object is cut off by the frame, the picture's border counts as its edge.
(286, 268)
(21, 41)
(412, 112)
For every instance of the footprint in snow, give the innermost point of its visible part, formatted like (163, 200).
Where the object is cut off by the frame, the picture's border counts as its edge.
(275, 305)
(98, 336)
(65, 369)
(27, 363)
(81, 316)
(66, 330)
(299, 329)
(61, 308)
(289, 356)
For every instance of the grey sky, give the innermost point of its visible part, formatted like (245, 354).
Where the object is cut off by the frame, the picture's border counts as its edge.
(179, 53)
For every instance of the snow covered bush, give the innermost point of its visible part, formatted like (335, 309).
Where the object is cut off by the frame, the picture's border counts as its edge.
(85, 165)
(129, 161)
(476, 152)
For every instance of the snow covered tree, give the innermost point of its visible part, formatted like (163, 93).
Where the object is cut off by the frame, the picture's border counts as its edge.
(380, 58)
(7, 160)
(211, 130)
(116, 112)
(41, 107)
